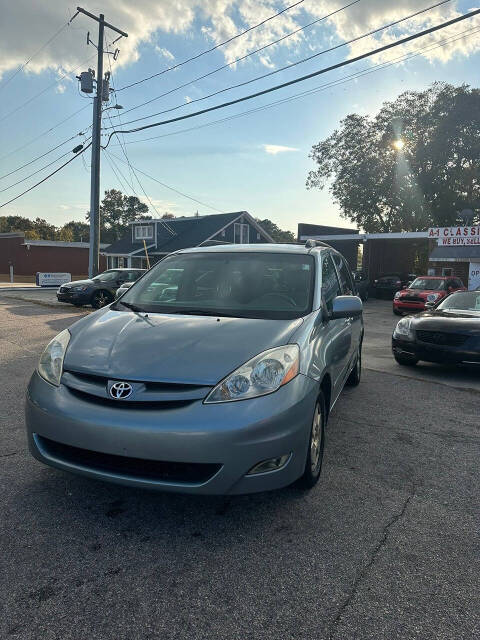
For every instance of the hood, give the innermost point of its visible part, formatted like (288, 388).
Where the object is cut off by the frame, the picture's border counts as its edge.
(78, 282)
(170, 348)
(452, 321)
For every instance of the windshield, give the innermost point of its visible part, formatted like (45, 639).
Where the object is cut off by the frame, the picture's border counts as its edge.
(428, 284)
(462, 301)
(243, 285)
(106, 276)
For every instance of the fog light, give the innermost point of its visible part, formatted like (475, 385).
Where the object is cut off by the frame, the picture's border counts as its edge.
(272, 464)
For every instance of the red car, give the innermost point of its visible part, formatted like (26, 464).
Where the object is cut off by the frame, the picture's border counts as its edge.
(422, 290)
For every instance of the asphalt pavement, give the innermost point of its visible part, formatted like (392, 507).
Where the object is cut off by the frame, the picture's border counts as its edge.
(386, 546)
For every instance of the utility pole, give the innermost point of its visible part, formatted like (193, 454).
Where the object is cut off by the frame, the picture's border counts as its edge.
(94, 249)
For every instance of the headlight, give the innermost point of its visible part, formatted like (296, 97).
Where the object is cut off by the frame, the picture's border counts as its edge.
(403, 329)
(432, 297)
(83, 288)
(261, 375)
(397, 295)
(50, 365)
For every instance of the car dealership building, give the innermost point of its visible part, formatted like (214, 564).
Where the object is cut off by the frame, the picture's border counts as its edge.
(440, 251)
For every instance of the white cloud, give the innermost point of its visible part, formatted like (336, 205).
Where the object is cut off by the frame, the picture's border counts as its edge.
(273, 149)
(221, 19)
(60, 88)
(165, 53)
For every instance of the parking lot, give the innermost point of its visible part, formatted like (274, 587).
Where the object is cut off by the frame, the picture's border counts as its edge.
(386, 546)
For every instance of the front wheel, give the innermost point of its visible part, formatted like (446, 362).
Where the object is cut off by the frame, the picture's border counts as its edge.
(100, 299)
(406, 361)
(397, 312)
(313, 463)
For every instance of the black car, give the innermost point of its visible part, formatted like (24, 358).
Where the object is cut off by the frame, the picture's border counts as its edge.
(387, 285)
(448, 333)
(362, 284)
(97, 291)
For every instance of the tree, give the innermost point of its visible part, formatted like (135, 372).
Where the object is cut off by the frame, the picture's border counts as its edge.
(33, 229)
(278, 235)
(415, 164)
(116, 212)
(78, 231)
(168, 216)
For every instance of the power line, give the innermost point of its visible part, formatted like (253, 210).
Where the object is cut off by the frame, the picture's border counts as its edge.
(229, 64)
(217, 46)
(338, 65)
(163, 222)
(14, 184)
(377, 67)
(22, 66)
(169, 187)
(27, 144)
(37, 95)
(46, 177)
(289, 66)
(5, 175)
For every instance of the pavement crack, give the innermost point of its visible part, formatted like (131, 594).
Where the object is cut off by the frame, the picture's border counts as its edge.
(7, 455)
(360, 577)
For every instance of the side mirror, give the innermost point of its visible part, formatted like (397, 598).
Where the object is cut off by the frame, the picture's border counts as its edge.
(346, 307)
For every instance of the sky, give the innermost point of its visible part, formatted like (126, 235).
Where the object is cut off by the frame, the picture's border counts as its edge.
(251, 156)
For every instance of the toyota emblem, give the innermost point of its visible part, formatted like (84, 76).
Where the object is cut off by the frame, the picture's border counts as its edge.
(121, 390)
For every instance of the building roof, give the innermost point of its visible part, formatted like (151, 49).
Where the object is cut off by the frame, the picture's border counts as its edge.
(456, 254)
(187, 232)
(60, 243)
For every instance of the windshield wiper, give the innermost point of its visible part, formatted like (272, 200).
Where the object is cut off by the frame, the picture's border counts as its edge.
(133, 307)
(202, 312)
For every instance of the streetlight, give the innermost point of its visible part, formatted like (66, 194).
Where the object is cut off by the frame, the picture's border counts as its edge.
(398, 144)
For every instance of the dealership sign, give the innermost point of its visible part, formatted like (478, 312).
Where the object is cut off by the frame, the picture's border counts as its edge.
(474, 276)
(455, 236)
(52, 279)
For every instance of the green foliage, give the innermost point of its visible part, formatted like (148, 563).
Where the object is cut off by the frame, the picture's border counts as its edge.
(78, 231)
(427, 183)
(34, 229)
(275, 232)
(116, 212)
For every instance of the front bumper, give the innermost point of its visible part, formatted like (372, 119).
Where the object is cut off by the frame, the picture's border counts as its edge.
(234, 436)
(74, 297)
(440, 354)
(409, 306)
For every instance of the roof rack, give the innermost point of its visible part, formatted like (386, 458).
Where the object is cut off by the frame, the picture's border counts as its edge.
(311, 244)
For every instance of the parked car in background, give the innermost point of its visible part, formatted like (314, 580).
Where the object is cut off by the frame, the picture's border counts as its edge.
(222, 387)
(422, 290)
(362, 284)
(448, 333)
(385, 286)
(98, 291)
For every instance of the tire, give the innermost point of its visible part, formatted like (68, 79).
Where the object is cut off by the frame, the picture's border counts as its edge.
(405, 361)
(356, 373)
(316, 443)
(397, 312)
(101, 298)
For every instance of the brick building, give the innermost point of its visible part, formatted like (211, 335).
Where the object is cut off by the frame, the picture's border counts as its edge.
(26, 257)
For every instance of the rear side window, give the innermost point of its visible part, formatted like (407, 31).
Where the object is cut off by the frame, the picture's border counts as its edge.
(344, 274)
(330, 284)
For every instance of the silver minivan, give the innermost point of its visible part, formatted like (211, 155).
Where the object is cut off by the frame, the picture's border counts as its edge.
(220, 383)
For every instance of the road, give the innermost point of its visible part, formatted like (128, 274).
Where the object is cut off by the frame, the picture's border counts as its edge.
(387, 545)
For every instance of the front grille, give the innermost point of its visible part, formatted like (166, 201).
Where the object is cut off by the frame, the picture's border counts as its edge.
(442, 338)
(146, 394)
(411, 299)
(137, 468)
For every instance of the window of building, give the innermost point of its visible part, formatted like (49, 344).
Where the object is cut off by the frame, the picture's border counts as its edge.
(223, 233)
(258, 236)
(241, 233)
(143, 232)
(447, 271)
